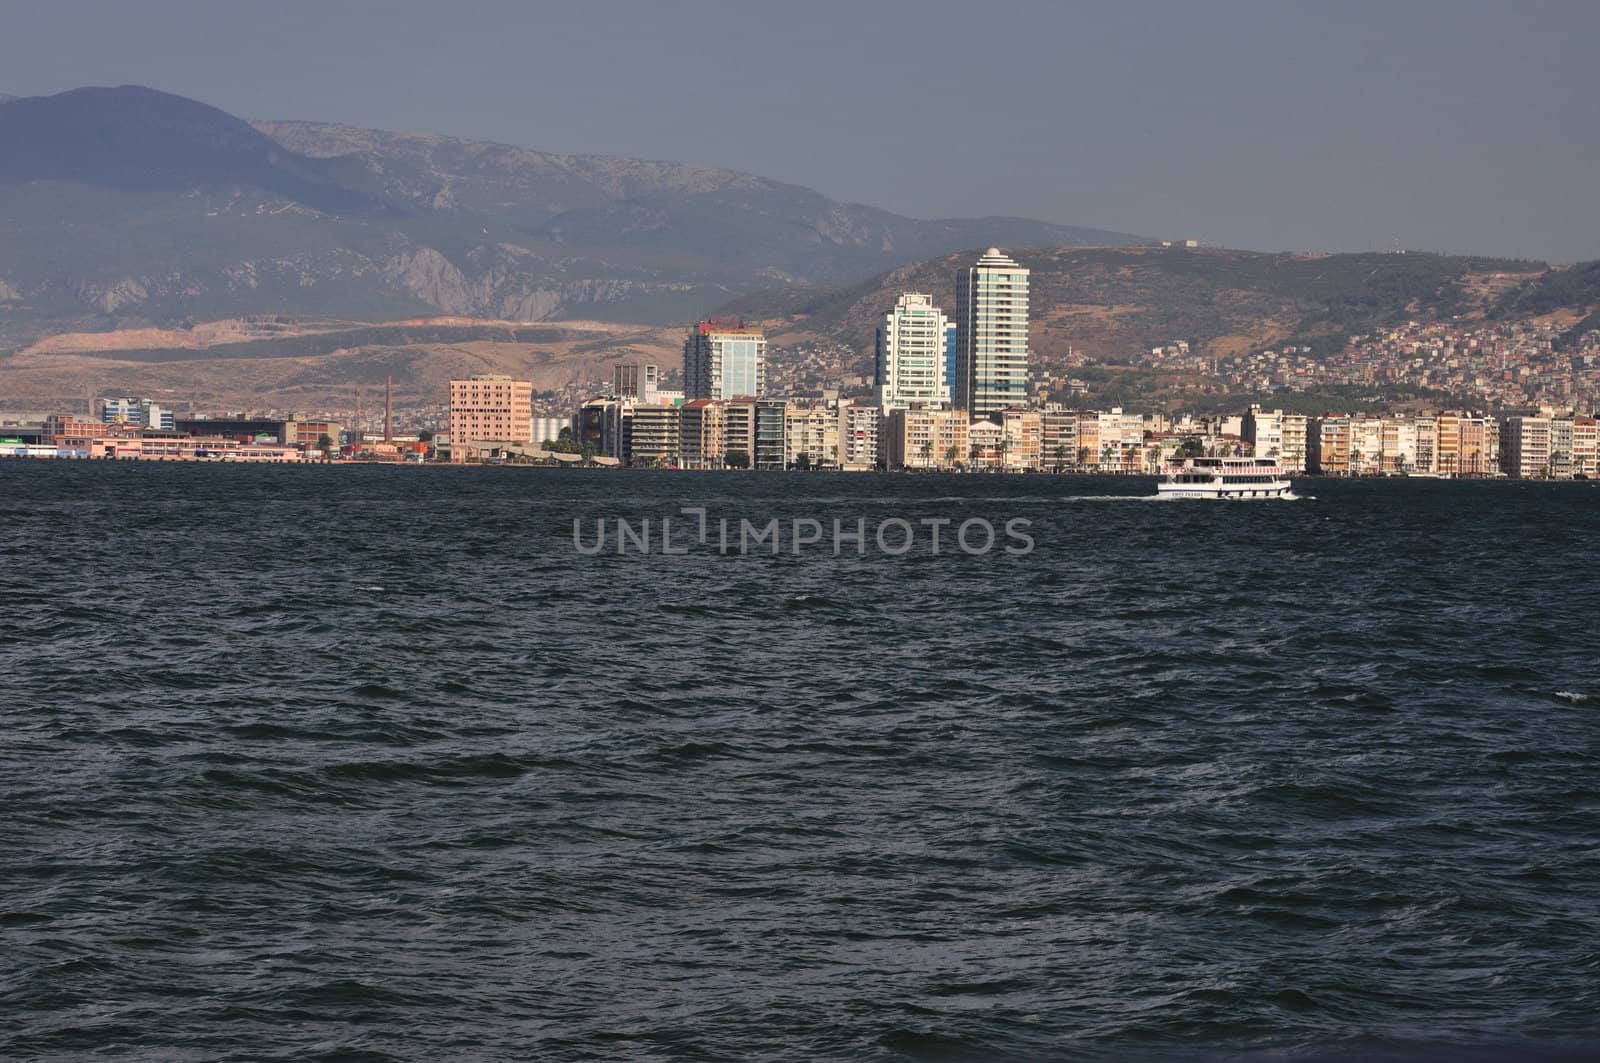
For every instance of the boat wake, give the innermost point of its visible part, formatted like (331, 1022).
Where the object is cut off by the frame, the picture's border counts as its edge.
(1120, 498)
(1287, 496)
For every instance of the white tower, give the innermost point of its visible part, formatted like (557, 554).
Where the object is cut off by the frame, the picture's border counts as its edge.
(992, 330)
(911, 354)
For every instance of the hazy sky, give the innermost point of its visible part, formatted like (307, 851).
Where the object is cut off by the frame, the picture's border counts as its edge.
(1458, 126)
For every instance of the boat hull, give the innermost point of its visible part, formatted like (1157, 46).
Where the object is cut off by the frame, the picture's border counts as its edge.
(1226, 492)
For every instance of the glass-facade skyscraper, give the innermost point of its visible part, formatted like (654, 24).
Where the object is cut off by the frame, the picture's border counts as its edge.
(724, 360)
(992, 326)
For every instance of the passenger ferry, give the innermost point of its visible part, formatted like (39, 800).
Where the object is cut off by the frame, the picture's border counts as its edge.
(1231, 478)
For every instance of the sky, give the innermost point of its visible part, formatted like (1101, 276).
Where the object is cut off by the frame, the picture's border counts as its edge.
(1462, 127)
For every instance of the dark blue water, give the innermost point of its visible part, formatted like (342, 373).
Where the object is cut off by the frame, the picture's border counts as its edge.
(369, 763)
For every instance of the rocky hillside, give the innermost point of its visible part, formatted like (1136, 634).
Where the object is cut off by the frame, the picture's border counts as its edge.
(126, 207)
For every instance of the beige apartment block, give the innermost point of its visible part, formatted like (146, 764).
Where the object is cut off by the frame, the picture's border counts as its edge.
(1024, 434)
(925, 437)
(489, 411)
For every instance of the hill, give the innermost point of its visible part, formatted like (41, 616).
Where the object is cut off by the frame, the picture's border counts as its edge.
(268, 364)
(1109, 304)
(127, 207)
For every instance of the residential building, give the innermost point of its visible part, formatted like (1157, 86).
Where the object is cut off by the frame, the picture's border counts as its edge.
(925, 437)
(656, 436)
(1561, 448)
(1400, 444)
(911, 353)
(858, 437)
(1087, 456)
(1058, 438)
(1425, 459)
(1024, 431)
(1525, 447)
(812, 435)
(1328, 446)
(739, 433)
(488, 411)
(1277, 435)
(1119, 441)
(985, 439)
(1585, 460)
(770, 435)
(992, 335)
(703, 435)
(1465, 445)
(1366, 446)
(724, 360)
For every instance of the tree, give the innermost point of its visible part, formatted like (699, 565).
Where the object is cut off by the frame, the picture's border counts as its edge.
(1083, 458)
(1061, 457)
(738, 459)
(950, 455)
(325, 444)
(927, 452)
(803, 462)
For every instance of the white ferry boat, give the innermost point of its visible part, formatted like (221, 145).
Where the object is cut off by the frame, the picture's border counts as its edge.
(1231, 478)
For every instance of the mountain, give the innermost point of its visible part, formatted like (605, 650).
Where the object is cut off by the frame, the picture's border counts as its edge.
(128, 207)
(1109, 304)
(139, 139)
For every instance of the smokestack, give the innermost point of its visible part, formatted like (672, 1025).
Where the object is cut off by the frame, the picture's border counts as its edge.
(388, 409)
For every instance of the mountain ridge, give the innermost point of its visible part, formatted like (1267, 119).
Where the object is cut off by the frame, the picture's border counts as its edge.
(128, 207)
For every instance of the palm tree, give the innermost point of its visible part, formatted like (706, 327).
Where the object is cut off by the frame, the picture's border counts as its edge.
(1060, 456)
(927, 452)
(1083, 458)
(950, 455)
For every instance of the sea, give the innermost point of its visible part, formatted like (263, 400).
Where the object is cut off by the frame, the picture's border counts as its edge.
(373, 763)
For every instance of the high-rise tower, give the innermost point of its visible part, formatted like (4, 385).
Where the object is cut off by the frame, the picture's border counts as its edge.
(992, 335)
(724, 360)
